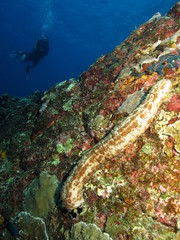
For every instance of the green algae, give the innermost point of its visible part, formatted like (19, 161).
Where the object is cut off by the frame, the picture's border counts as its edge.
(89, 214)
(56, 159)
(62, 84)
(66, 147)
(52, 96)
(114, 229)
(177, 89)
(68, 105)
(147, 148)
(60, 148)
(72, 84)
(99, 122)
(138, 227)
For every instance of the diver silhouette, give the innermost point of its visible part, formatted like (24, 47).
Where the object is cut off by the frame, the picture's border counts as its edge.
(39, 51)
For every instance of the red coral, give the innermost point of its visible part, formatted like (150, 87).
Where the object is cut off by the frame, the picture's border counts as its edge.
(174, 104)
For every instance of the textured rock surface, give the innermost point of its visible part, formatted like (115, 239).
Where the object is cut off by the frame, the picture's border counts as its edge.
(136, 194)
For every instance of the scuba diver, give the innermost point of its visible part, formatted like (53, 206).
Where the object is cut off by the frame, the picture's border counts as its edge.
(40, 50)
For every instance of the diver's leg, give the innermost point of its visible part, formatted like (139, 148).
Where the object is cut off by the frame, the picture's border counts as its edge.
(28, 68)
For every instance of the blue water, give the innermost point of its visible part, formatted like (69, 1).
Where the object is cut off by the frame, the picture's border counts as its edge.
(79, 30)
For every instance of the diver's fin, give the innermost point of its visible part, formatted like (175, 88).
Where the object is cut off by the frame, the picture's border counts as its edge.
(16, 54)
(27, 76)
(27, 72)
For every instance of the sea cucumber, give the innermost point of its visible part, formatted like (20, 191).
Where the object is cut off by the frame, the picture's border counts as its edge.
(113, 144)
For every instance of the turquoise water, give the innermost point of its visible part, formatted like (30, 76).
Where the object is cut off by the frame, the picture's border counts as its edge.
(79, 31)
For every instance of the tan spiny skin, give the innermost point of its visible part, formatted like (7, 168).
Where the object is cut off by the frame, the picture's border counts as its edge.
(120, 137)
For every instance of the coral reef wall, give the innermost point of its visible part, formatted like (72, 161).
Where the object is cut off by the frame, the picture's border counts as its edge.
(134, 194)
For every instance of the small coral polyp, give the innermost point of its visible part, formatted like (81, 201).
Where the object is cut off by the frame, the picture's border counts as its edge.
(113, 144)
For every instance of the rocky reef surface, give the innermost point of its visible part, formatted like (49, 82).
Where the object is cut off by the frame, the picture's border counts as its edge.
(134, 195)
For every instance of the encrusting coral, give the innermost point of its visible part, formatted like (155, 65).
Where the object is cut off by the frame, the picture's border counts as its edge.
(39, 197)
(31, 227)
(82, 231)
(111, 146)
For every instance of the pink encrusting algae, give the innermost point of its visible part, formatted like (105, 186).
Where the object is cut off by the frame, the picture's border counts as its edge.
(113, 144)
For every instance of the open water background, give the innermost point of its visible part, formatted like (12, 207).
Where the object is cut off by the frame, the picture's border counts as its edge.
(80, 31)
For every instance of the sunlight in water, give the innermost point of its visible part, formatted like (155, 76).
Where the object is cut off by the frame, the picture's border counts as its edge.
(48, 16)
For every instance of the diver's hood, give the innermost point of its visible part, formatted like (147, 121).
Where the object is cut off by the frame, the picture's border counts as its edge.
(46, 38)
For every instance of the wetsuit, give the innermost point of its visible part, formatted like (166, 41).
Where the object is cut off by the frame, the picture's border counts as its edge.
(40, 50)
